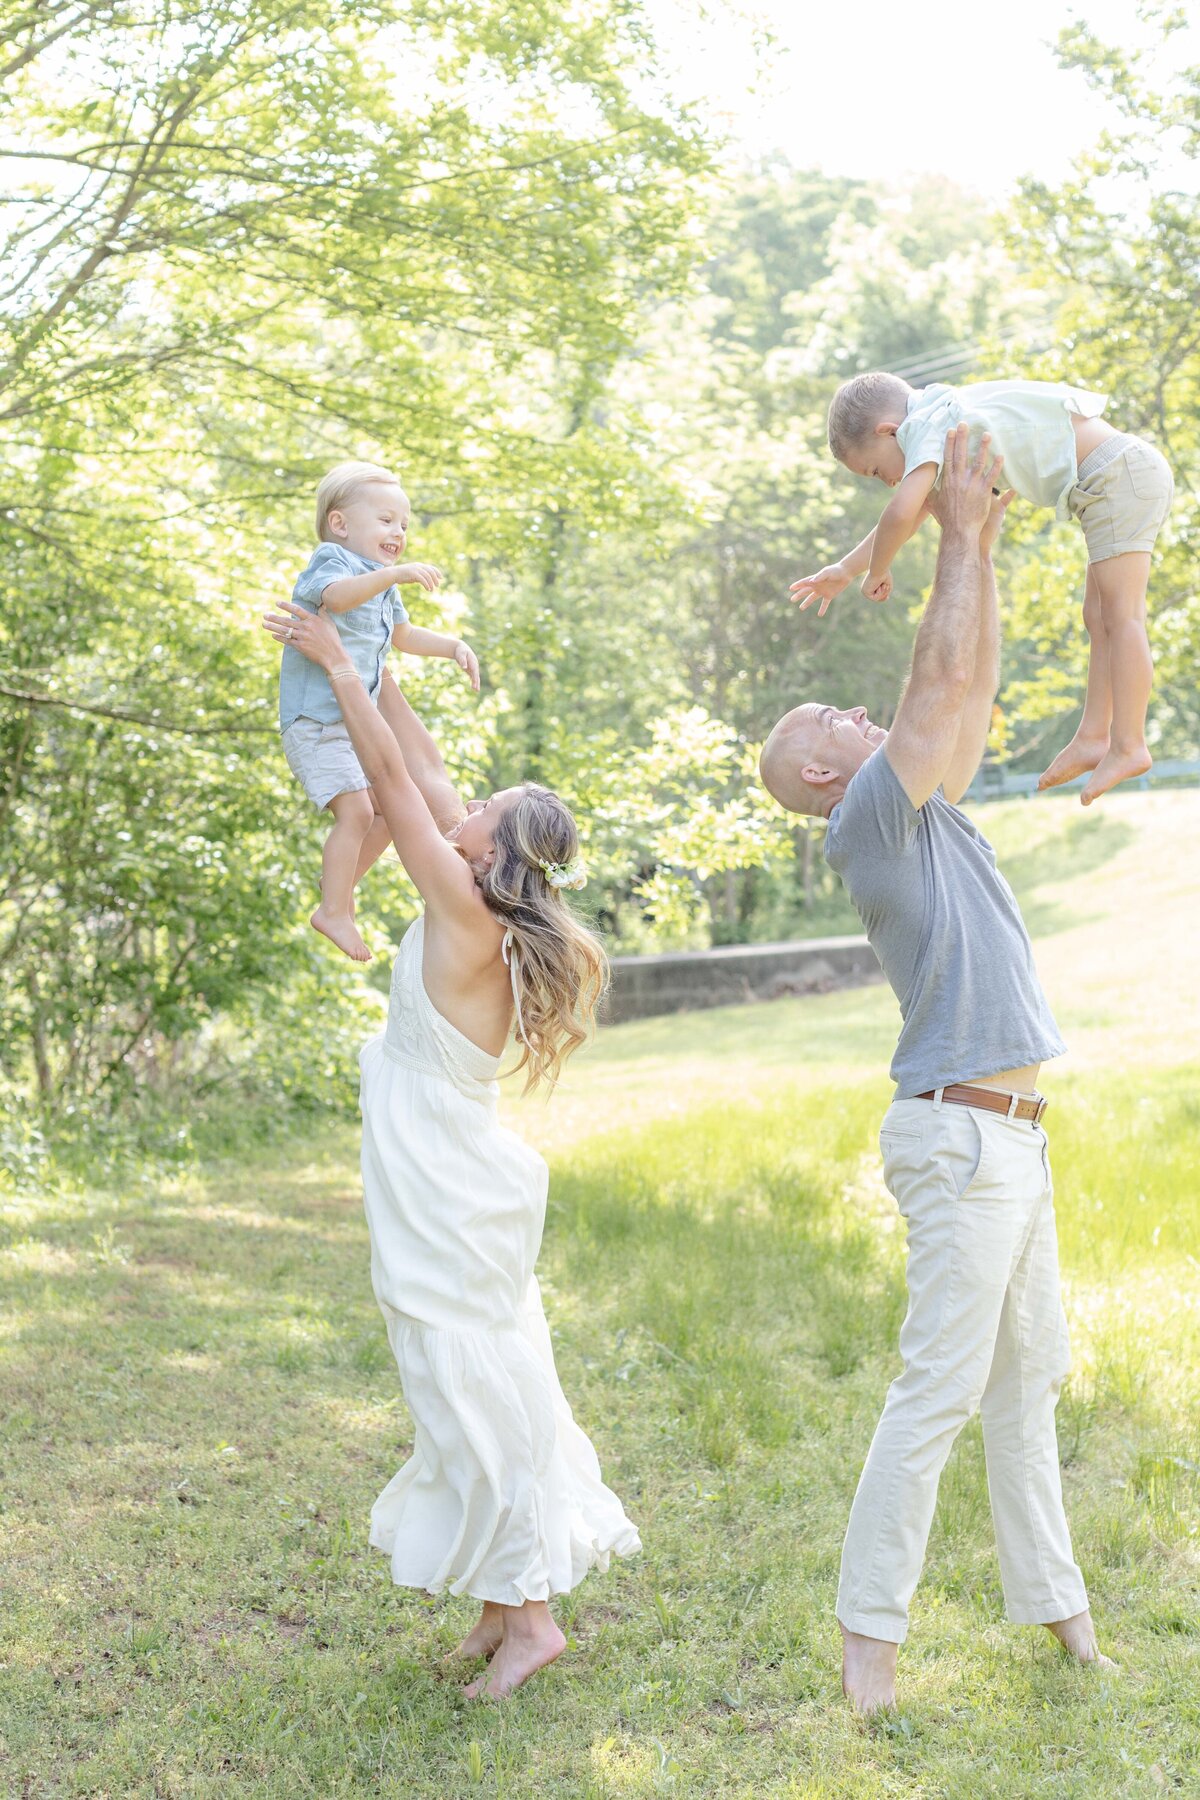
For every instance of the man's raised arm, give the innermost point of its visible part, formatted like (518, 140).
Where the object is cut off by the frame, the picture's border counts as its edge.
(922, 742)
(976, 718)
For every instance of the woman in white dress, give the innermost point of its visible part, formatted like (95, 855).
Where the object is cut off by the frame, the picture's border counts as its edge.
(502, 1497)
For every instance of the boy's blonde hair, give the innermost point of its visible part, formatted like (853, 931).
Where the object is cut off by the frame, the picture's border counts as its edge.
(339, 487)
(860, 404)
(560, 968)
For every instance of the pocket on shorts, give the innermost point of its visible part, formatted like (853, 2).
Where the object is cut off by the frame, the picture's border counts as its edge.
(1149, 476)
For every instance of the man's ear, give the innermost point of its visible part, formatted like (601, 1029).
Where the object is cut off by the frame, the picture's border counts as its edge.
(886, 428)
(818, 776)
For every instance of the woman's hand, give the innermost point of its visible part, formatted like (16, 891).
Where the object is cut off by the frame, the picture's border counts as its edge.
(310, 633)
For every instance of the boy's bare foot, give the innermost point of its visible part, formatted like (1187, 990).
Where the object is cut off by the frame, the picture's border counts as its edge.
(1116, 766)
(1078, 1636)
(341, 931)
(527, 1646)
(484, 1638)
(353, 906)
(868, 1672)
(1080, 755)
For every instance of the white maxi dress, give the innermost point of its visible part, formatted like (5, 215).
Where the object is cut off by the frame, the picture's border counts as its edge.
(502, 1497)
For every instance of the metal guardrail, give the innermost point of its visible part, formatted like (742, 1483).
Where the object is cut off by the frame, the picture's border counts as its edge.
(1006, 784)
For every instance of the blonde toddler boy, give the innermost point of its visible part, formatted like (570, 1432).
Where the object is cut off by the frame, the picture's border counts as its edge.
(354, 575)
(1058, 452)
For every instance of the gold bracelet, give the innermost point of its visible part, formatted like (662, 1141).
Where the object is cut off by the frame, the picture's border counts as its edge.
(341, 674)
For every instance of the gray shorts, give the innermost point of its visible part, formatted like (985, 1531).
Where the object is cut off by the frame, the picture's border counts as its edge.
(322, 759)
(1122, 497)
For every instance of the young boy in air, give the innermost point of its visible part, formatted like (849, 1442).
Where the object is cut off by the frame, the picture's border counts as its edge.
(1058, 452)
(355, 575)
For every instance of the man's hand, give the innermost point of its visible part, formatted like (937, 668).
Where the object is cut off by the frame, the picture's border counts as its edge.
(824, 586)
(468, 662)
(995, 519)
(423, 574)
(963, 501)
(877, 587)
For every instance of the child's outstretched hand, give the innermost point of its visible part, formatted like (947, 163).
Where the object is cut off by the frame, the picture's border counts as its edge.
(468, 662)
(876, 587)
(423, 573)
(824, 586)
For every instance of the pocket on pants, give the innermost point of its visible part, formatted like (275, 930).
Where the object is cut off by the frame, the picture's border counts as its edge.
(947, 1157)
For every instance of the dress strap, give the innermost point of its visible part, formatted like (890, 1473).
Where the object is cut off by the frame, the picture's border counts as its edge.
(508, 950)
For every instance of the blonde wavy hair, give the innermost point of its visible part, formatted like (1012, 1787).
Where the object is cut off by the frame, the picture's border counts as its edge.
(560, 969)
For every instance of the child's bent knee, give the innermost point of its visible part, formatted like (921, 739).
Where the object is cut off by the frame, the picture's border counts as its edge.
(355, 808)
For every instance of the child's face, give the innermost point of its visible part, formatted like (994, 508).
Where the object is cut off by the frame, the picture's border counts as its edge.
(375, 523)
(878, 457)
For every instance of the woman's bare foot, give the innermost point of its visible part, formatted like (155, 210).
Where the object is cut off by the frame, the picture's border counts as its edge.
(1080, 755)
(484, 1638)
(342, 931)
(531, 1640)
(868, 1672)
(1115, 766)
(1078, 1636)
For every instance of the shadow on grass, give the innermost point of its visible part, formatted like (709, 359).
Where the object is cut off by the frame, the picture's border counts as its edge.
(1080, 848)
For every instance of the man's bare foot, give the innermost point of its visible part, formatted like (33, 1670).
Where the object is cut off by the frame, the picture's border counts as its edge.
(1080, 755)
(868, 1672)
(531, 1640)
(1116, 766)
(1078, 1636)
(484, 1638)
(341, 931)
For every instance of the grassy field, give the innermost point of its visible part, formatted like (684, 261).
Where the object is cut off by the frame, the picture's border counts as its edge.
(201, 1407)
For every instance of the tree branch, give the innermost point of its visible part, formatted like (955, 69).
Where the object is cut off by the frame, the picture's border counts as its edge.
(25, 698)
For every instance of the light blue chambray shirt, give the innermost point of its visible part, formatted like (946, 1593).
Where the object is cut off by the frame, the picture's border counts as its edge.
(1029, 423)
(305, 690)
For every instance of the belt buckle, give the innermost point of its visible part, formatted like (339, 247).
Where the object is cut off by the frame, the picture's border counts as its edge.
(1041, 1107)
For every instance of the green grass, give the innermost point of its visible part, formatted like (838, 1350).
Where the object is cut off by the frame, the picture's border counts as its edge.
(201, 1407)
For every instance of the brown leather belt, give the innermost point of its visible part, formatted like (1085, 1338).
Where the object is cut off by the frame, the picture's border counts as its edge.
(997, 1100)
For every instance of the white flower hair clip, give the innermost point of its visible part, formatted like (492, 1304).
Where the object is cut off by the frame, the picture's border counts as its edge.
(564, 875)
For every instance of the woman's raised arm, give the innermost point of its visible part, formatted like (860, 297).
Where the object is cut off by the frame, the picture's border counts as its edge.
(443, 878)
(422, 758)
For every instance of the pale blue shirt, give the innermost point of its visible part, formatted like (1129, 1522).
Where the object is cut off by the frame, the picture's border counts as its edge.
(1030, 427)
(366, 632)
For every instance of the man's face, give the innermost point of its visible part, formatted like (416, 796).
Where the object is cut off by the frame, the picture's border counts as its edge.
(810, 757)
(838, 737)
(879, 457)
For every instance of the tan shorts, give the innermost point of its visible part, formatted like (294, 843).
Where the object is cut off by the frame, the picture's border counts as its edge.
(1122, 497)
(322, 759)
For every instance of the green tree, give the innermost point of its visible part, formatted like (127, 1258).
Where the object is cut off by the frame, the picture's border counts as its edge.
(1118, 248)
(248, 238)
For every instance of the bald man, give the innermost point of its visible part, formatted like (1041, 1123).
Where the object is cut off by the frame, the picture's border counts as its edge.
(964, 1149)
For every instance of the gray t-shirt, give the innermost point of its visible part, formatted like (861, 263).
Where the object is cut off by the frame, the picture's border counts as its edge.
(944, 924)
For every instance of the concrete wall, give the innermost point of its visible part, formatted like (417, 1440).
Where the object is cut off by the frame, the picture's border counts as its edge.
(643, 986)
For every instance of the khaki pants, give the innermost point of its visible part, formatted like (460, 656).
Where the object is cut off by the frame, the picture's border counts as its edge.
(985, 1328)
